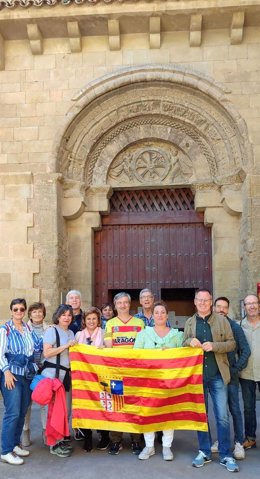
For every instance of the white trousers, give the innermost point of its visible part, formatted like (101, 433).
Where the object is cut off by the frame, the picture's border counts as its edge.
(167, 438)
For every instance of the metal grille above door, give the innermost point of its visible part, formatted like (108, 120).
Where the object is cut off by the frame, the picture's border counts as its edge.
(141, 201)
(154, 239)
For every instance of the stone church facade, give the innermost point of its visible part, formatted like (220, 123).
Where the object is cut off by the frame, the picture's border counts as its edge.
(100, 96)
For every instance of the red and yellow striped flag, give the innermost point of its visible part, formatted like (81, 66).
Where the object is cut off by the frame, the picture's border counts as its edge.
(137, 390)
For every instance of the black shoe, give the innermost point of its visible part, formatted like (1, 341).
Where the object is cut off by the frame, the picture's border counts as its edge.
(115, 448)
(136, 448)
(88, 445)
(103, 443)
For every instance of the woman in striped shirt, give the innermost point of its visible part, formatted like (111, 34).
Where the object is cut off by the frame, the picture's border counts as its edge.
(17, 345)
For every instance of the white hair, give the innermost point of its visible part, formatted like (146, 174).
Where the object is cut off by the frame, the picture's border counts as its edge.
(71, 292)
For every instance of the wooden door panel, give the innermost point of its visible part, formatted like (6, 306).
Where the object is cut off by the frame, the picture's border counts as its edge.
(152, 239)
(153, 256)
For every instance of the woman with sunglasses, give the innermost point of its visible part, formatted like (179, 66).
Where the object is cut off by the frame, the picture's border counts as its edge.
(56, 343)
(17, 345)
(92, 334)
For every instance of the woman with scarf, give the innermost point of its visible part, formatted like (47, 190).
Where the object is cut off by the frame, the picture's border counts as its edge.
(92, 334)
(17, 345)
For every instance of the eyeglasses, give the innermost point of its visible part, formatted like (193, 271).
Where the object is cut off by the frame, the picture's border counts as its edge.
(146, 297)
(255, 303)
(19, 309)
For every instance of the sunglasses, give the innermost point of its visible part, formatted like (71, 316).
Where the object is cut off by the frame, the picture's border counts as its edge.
(19, 309)
(89, 341)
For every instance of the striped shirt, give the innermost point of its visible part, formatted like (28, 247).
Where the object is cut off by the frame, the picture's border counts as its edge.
(12, 341)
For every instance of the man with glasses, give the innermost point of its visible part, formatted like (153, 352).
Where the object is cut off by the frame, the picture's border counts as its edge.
(146, 299)
(238, 360)
(250, 376)
(212, 333)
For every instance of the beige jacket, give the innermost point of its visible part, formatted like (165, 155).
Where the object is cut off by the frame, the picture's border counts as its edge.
(252, 371)
(223, 340)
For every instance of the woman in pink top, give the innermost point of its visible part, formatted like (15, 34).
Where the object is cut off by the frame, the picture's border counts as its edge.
(92, 335)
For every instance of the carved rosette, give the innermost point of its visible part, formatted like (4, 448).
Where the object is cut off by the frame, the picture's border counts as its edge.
(150, 163)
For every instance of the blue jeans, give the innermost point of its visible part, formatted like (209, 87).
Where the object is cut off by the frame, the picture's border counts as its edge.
(235, 411)
(16, 403)
(218, 392)
(249, 397)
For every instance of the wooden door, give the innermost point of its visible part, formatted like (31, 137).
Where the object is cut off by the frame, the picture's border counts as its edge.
(152, 239)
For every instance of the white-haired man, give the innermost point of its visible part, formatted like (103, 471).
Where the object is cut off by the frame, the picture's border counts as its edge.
(73, 298)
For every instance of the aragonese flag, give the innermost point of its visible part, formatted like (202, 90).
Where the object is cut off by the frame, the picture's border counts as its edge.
(137, 390)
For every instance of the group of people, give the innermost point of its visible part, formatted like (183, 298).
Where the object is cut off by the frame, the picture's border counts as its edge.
(231, 359)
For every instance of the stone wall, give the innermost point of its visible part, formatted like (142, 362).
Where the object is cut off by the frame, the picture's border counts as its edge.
(40, 254)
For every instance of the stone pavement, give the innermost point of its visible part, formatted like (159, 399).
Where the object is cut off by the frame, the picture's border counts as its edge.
(41, 464)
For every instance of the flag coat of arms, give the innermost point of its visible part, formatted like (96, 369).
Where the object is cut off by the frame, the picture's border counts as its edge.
(137, 390)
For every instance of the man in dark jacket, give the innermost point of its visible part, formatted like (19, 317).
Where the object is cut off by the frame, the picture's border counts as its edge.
(237, 361)
(73, 298)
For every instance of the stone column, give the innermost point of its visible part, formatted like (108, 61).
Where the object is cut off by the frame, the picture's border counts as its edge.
(250, 235)
(222, 211)
(80, 226)
(48, 235)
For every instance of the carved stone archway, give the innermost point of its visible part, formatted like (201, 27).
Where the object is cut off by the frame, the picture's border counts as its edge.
(155, 126)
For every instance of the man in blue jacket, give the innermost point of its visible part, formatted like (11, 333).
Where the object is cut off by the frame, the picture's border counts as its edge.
(237, 361)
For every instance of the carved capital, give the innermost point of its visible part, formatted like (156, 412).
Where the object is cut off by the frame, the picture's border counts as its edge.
(207, 196)
(232, 201)
(97, 198)
(72, 208)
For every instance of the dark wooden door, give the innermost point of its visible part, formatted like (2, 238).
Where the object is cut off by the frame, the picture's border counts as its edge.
(157, 243)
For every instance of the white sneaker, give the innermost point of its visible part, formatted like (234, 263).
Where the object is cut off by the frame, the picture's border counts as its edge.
(214, 447)
(146, 453)
(11, 458)
(20, 451)
(239, 451)
(167, 454)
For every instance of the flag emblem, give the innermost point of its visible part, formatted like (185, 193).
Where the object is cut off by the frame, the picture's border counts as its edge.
(111, 398)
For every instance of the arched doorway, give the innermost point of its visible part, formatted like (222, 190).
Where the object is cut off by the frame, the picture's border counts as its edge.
(180, 123)
(153, 239)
